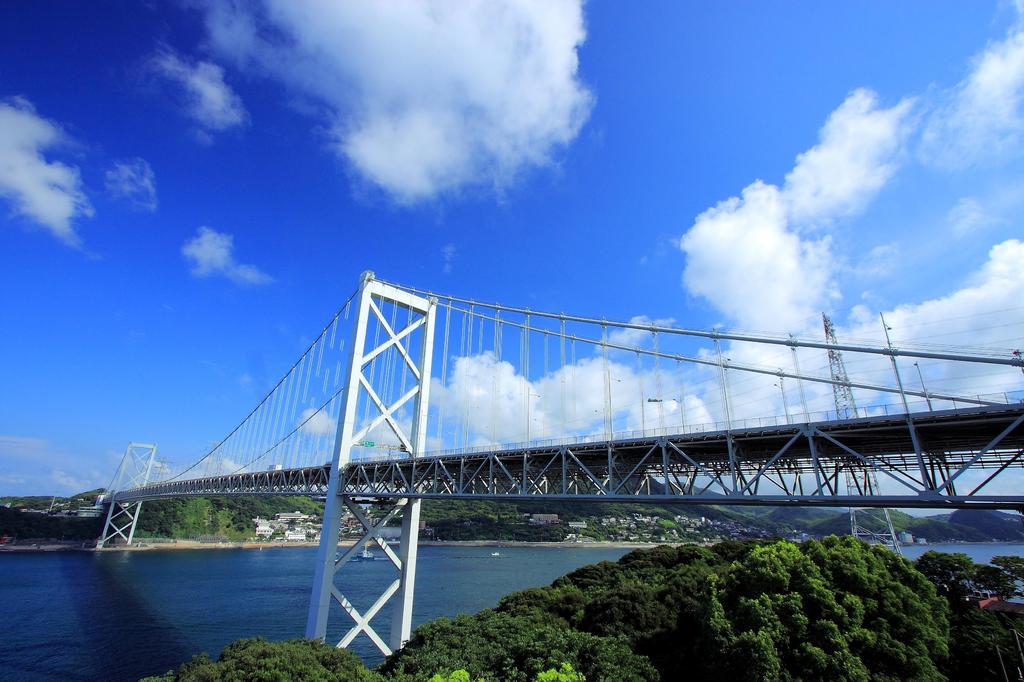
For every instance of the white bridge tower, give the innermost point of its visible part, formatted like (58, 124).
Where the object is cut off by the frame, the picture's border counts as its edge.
(361, 393)
(122, 517)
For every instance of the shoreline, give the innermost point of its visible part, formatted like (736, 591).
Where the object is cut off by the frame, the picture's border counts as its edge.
(181, 545)
(187, 544)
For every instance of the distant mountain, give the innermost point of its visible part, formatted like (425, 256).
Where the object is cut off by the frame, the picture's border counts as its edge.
(960, 526)
(58, 503)
(993, 524)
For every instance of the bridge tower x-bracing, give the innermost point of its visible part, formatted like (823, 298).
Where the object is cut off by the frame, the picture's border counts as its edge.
(861, 525)
(372, 296)
(135, 470)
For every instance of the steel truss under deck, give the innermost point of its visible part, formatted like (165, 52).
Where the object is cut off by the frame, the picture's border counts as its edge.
(801, 464)
(798, 464)
(311, 481)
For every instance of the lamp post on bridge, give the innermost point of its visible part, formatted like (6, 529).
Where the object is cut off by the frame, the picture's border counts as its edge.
(906, 408)
(924, 390)
(895, 368)
(785, 402)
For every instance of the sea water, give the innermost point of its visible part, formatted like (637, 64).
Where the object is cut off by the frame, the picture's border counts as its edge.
(123, 615)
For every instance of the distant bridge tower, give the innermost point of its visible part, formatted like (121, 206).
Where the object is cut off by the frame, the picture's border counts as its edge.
(846, 407)
(135, 470)
(414, 338)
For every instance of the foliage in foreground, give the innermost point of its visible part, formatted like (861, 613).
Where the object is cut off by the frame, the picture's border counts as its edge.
(258, 659)
(306, 661)
(835, 609)
(975, 634)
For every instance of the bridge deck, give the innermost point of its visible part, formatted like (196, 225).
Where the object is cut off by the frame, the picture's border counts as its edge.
(797, 464)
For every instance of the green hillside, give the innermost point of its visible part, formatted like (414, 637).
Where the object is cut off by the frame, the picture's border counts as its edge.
(231, 517)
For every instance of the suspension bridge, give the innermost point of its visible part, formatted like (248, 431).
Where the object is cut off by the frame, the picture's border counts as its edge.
(407, 395)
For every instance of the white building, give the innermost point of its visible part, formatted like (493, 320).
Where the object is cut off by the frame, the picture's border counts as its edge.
(263, 528)
(295, 536)
(288, 517)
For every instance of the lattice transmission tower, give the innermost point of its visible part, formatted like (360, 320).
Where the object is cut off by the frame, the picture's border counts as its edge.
(846, 407)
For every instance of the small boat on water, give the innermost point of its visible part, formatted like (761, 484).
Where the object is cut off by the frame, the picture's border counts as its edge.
(365, 555)
(495, 553)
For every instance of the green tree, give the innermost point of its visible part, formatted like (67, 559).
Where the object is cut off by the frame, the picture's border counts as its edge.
(994, 580)
(1013, 567)
(950, 573)
(454, 676)
(782, 607)
(974, 636)
(500, 646)
(897, 625)
(563, 674)
(300, 660)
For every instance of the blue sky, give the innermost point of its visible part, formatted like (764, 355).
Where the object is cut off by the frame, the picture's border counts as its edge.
(187, 191)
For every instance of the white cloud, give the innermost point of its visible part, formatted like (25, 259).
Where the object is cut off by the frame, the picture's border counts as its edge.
(319, 423)
(133, 180)
(742, 256)
(448, 252)
(36, 466)
(981, 117)
(488, 400)
(969, 216)
(856, 156)
(748, 255)
(48, 193)
(424, 98)
(72, 482)
(880, 261)
(211, 253)
(637, 337)
(209, 100)
(23, 447)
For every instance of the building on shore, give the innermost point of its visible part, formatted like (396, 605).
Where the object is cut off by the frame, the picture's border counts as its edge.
(263, 528)
(289, 517)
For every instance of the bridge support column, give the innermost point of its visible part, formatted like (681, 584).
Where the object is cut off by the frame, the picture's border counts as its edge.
(362, 395)
(401, 621)
(122, 517)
